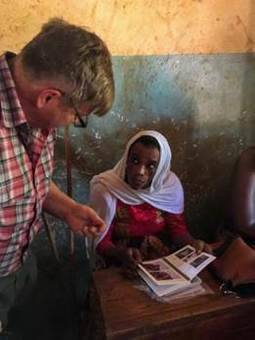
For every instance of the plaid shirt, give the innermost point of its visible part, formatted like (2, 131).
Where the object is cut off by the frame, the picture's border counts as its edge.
(26, 164)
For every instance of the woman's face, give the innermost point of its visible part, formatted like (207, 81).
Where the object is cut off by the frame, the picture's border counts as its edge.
(142, 164)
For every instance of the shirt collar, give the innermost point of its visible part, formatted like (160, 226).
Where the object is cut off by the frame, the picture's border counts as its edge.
(11, 110)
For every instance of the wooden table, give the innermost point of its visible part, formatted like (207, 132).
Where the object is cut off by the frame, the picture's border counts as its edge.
(120, 311)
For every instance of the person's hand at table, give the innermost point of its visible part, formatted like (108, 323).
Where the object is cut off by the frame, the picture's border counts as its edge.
(131, 258)
(200, 246)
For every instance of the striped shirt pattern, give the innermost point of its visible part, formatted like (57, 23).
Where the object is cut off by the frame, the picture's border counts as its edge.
(26, 165)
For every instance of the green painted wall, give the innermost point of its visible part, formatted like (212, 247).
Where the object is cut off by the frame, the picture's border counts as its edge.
(205, 106)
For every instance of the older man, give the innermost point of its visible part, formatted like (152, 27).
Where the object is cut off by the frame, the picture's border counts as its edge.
(61, 76)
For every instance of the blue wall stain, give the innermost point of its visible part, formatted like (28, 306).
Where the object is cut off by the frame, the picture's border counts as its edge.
(203, 104)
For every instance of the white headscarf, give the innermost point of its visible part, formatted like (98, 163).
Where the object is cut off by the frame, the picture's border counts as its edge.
(165, 192)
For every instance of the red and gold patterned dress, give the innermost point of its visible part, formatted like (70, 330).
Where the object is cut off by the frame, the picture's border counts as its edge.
(144, 220)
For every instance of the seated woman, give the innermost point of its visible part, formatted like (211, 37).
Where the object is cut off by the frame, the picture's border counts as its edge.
(141, 201)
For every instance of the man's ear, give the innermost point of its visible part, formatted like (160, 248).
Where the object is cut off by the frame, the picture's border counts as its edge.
(47, 97)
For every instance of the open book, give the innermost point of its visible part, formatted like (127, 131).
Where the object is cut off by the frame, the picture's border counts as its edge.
(175, 272)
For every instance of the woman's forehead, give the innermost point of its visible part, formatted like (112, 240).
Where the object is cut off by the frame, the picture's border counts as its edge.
(149, 151)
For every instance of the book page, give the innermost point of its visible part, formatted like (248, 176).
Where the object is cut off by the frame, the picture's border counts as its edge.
(188, 262)
(163, 290)
(161, 273)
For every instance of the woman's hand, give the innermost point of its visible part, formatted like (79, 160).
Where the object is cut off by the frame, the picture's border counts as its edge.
(131, 257)
(200, 246)
(130, 260)
(124, 256)
(135, 255)
(153, 248)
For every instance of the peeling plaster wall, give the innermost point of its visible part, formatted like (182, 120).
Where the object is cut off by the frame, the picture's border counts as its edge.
(203, 104)
(183, 67)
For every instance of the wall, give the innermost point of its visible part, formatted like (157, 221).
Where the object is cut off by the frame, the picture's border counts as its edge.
(183, 67)
(141, 27)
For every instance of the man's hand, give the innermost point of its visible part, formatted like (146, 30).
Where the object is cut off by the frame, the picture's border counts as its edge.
(80, 218)
(84, 221)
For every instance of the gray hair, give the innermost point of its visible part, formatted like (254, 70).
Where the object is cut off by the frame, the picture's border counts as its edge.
(62, 51)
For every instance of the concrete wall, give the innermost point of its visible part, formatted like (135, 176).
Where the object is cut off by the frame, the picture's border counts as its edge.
(183, 67)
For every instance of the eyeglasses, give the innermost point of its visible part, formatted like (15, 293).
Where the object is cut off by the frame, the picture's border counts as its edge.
(79, 121)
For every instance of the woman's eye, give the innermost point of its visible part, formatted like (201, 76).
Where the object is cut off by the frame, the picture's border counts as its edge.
(152, 166)
(135, 161)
